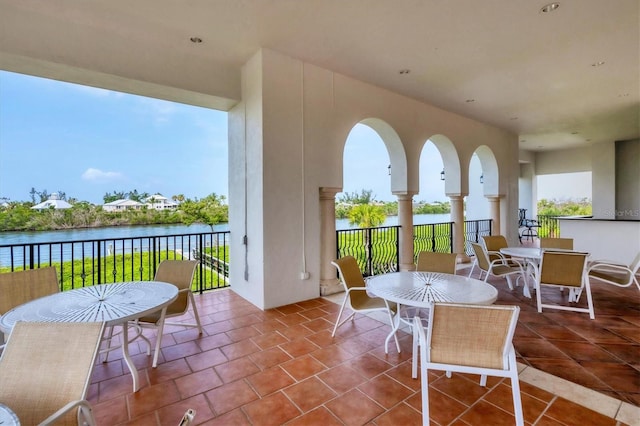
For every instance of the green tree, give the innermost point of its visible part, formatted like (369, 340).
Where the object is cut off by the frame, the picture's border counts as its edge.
(211, 210)
(367, 216)
(365, 197)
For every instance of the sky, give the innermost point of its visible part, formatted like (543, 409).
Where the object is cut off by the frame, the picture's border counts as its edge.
(88, 142)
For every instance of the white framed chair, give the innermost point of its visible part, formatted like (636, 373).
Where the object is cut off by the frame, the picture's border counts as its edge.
(45, 371)
(499, 267)
(179, 273)
(430, 261)
(556, 243)
(472, 339)
(19, 287)
(615, 273)
(562, 269)
(356, 298)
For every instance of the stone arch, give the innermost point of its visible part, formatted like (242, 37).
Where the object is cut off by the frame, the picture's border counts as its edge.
(490, 171)
(395, 149)
(451, 163)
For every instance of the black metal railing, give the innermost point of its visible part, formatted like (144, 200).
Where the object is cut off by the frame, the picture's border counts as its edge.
(474, 230)
(436, 237)
(81, 263)
(376, 249)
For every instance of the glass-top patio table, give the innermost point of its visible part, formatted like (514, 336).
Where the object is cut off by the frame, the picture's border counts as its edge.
(422, 289)
(114, 304)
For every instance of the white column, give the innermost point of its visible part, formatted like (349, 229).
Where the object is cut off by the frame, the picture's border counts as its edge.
(494, 209)
(457, 217)
(329, 283)
(405, 220)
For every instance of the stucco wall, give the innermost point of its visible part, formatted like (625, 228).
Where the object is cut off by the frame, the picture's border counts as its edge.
(307, 113)
(628, 179)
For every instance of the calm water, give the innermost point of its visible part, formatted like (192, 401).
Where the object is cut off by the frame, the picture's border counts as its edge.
(117, 232)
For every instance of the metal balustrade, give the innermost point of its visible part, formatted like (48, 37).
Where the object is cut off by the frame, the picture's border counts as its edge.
(81, 263)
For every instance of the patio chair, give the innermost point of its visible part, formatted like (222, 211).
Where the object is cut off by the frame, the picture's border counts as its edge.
(19, 287)
(429, 261)
(356, 297)
(615, 273)
(556, 243)
(499, 267)
(493, 244)
(471, 339)
(179, 273)
(562, 269)
(45, 371)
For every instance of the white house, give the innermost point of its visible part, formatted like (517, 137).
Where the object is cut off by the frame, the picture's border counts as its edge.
(53, 201)
(158, 202)
(122, 205)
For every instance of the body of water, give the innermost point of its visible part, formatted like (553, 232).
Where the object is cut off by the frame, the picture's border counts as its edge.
(77, 250)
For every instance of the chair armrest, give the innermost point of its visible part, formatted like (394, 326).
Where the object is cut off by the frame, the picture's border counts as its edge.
(80, 403)
(605, 267)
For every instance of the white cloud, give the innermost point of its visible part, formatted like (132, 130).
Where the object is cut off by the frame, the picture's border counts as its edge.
(101, 176)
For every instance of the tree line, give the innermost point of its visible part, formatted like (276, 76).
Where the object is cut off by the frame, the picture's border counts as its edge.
(19, 216)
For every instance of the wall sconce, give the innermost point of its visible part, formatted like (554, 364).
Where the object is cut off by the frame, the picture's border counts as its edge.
(482, 178)
(442, 175)
(389, 168)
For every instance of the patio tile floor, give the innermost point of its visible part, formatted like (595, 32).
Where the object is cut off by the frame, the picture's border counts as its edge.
(281, 366)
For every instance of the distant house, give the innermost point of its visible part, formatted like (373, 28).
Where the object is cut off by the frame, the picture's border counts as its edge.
(53, 201)
(122, 205)
(158, 202)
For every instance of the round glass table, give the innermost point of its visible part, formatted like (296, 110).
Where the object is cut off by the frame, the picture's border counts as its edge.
(8, 417)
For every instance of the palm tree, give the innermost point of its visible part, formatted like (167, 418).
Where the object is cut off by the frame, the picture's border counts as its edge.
(367, 216)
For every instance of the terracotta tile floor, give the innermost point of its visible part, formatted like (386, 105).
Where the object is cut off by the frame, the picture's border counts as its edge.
(281, 366)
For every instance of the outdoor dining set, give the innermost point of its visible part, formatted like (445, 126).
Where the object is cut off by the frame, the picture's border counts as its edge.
(455, 324)
(52, 339)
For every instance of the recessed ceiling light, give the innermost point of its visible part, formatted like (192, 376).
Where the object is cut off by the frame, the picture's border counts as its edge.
(574, 133)
(523, 141)
(539, 146)
(597, 64)
(404, 71)
(196, 40)
(470, 100)
(549, 7)
(513, 118)
(623, 95)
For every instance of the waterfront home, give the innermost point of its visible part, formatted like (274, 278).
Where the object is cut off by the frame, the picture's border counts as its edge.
(54, 202)
(122, 205)
(160, 202)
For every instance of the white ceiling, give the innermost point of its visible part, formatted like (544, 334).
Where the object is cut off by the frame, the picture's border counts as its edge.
(526, 71)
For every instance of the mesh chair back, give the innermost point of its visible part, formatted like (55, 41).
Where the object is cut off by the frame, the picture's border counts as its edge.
(481, 256)
(20, 287)
(429, 261)
(471, 335)
(47, 365)
(562, 268)
(179, 273)
(494, 242)
(558, 243)
(351, 276)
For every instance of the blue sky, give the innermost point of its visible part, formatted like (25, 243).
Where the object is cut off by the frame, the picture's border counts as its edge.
(87, 142)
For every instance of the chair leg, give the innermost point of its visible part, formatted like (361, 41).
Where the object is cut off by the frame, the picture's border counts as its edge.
(195, 312)
(515, 390)
(414, 355)
(424, 384)
(338, 323)
(160, 325)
